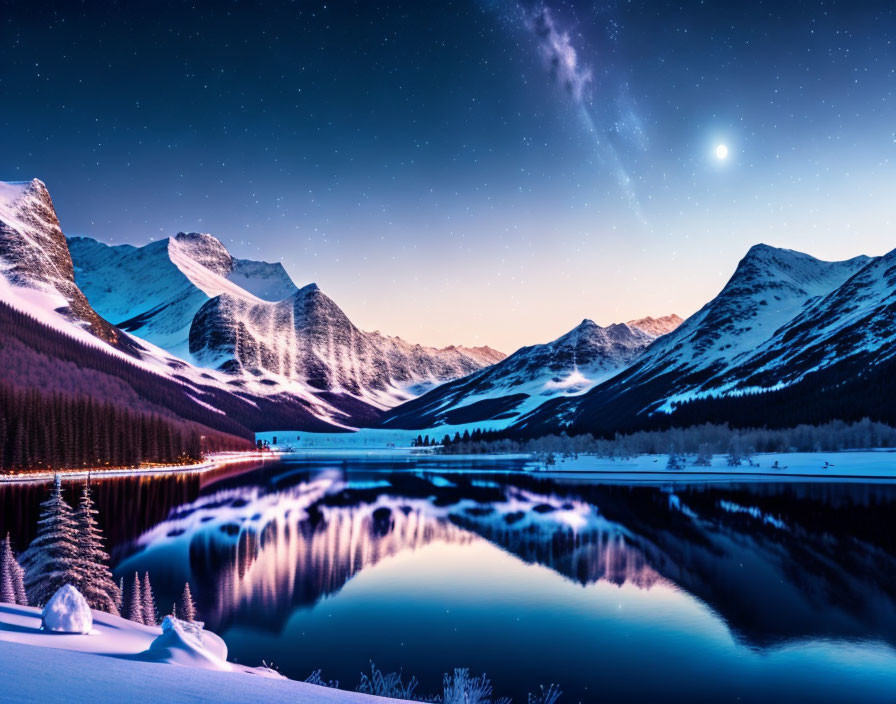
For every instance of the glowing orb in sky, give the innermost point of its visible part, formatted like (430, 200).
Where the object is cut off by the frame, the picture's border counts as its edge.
(721, 152)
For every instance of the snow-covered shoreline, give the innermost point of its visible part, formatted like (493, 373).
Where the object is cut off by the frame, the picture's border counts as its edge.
(116, 662)
(211, 462)
(876, 464)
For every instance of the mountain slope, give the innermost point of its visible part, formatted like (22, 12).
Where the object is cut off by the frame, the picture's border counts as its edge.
(248, 320)
(569, 366)
(783, 317)
(308, 337)
(34, 256)
(154, 291)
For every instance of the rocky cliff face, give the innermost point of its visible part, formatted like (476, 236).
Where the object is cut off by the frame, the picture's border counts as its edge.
(307, 336)
(34, 254)
(190, 297)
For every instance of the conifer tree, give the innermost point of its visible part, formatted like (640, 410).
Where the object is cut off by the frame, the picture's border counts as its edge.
(97, 585)
(51, 561)
(18, 584)
(12, 588)
(135, 601)
(149, 603)
(187, 607)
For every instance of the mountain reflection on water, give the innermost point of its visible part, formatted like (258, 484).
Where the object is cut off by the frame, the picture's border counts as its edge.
(778, 563)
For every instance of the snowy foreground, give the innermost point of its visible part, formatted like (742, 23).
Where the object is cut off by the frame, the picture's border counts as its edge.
(395, 445)
(124, 661)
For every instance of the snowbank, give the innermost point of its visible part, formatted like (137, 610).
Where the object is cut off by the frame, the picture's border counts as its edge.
(864, 464)
(181, 645)
(67, 612)
(124, 661)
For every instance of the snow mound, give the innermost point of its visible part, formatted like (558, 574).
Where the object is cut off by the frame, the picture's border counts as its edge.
(67, 612)
(187, 644)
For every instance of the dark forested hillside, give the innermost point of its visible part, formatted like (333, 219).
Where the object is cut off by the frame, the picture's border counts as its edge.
(56, 431)
(64, 403)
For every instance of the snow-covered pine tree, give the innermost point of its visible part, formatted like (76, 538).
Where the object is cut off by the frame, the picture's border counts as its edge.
(51, 561)
(135, 601)
(18, 583)
(187, 607)
(97, 585)
(149, 603)
(7, 573)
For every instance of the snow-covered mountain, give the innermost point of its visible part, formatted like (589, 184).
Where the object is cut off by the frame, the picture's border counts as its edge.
(783, 315)
(569, 366)
(248, 319)
(35, 260)
(155, 291)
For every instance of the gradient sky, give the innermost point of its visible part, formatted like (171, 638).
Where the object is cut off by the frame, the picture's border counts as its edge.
(470, 172)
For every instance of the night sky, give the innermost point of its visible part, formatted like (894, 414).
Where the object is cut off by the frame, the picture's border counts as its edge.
(465, 172)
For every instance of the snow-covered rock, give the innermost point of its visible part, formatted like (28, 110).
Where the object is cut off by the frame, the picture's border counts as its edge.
(67, 612)
(183, 644)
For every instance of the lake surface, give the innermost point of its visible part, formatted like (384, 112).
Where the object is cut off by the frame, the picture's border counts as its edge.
(617, 591)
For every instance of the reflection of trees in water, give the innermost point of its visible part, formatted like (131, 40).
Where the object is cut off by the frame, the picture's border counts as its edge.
(127, 506)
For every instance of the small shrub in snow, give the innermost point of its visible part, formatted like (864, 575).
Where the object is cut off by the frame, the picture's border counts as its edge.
(381, 684)
(546, 696)
(704, 456)
(316, 678)
(461, 688)
(675, 461)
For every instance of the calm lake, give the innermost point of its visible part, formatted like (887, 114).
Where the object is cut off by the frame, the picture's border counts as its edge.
(617, 591)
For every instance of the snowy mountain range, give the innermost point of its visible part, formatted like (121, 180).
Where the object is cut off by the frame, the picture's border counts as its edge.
(186, 309)
(569, 366)
(784, 322)
(238, 338)
(248, 319)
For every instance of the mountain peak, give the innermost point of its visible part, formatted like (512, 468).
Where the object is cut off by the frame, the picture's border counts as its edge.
(656, 326)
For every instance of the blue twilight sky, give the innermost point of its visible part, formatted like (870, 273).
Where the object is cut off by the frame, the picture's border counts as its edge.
(470, 172)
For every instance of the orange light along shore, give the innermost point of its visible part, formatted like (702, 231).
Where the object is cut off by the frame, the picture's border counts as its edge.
(210, 462)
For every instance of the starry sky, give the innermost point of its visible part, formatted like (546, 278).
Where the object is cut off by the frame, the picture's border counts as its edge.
(467, 171)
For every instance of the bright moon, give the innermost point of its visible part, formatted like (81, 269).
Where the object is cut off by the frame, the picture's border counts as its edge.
(721, 151)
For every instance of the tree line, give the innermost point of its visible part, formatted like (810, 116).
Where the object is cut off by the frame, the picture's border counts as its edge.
(53, 431)
(69, 550)
(699, 440)
(34, 355)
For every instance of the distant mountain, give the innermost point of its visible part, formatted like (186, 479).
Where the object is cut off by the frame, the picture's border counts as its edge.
(568, 366)
(248, 320)
(307, 336)
(784, 319)
(657, 327)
